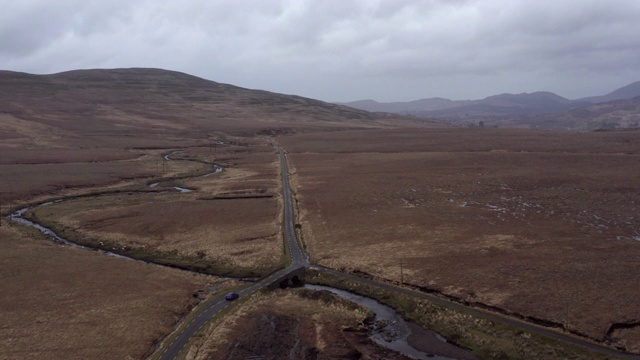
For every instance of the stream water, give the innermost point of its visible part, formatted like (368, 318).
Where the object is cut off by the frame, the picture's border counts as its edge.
(17, 217)
(390, 329)
(216, 170)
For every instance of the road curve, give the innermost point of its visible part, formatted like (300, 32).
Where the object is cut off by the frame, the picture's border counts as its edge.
(212, 309)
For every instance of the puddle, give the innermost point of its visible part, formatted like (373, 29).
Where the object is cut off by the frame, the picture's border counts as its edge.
(182, 190)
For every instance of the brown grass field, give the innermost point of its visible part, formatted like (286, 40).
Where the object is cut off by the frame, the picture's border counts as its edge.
(58, 173)
(231, 236)
(64, 303)
(128, 306)
(226, 236)
(540, 224)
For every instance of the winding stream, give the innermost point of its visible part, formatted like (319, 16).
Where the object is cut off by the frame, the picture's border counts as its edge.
(391, 330)
(17, 216)
(216, 170)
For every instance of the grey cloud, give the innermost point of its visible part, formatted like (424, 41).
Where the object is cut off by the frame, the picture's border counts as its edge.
(339, 50)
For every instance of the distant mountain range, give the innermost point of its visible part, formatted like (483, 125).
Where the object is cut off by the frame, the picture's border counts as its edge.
(539, 110)
(108, 101)
(627, 92)
(607, 115)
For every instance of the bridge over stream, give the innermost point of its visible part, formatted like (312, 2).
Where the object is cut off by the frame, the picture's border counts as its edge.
(293, 278)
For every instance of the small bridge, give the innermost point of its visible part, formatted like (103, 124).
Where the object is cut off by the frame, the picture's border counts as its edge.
(293, 278)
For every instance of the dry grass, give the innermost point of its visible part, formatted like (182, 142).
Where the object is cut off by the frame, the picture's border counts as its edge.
(28, 181)
(231, 236)
(232, 233)
(24, 182)
(301, 323)
(464, 140)
(87, 132)
(250, 168)
(541, 224)
(486, 339)
(54, 155)
(64, 303)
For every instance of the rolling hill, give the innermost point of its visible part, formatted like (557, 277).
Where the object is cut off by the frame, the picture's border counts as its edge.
(627, 92)
(541, 102)
(138, 103)
(602, 116)
(543, 110)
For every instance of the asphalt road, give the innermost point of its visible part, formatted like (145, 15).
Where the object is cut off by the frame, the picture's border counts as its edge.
(301, 259)
(298, 259)
(212, 309)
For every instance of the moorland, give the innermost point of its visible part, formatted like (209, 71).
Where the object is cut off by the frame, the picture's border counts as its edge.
(149, 164)
(537, 224)
(179, 173)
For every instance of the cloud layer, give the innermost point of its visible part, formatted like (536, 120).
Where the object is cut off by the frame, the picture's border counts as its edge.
(339, 50)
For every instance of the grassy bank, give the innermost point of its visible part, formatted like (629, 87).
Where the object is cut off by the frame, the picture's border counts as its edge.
(172, 258)
(485, 338)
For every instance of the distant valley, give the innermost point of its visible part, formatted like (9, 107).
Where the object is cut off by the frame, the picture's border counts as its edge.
(543, 110)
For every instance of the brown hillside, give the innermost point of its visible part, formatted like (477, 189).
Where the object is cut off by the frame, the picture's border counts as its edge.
(121, 102)
(619, 114)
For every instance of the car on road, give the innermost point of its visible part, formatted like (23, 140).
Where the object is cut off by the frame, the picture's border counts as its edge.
(231, 296)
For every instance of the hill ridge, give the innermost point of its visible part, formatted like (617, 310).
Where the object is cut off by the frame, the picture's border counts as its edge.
(533, 103)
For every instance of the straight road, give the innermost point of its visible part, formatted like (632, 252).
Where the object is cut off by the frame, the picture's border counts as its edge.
(301, 259)
(298, 259)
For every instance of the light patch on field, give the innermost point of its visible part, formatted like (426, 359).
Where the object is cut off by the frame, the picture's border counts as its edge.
(495, 298)
(455, 290)
(241, 232)
(29, 133)
(629, 338)
(499, 241)
(319, 332)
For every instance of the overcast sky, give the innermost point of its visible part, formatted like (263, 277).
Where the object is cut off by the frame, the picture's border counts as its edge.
(339, 50)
